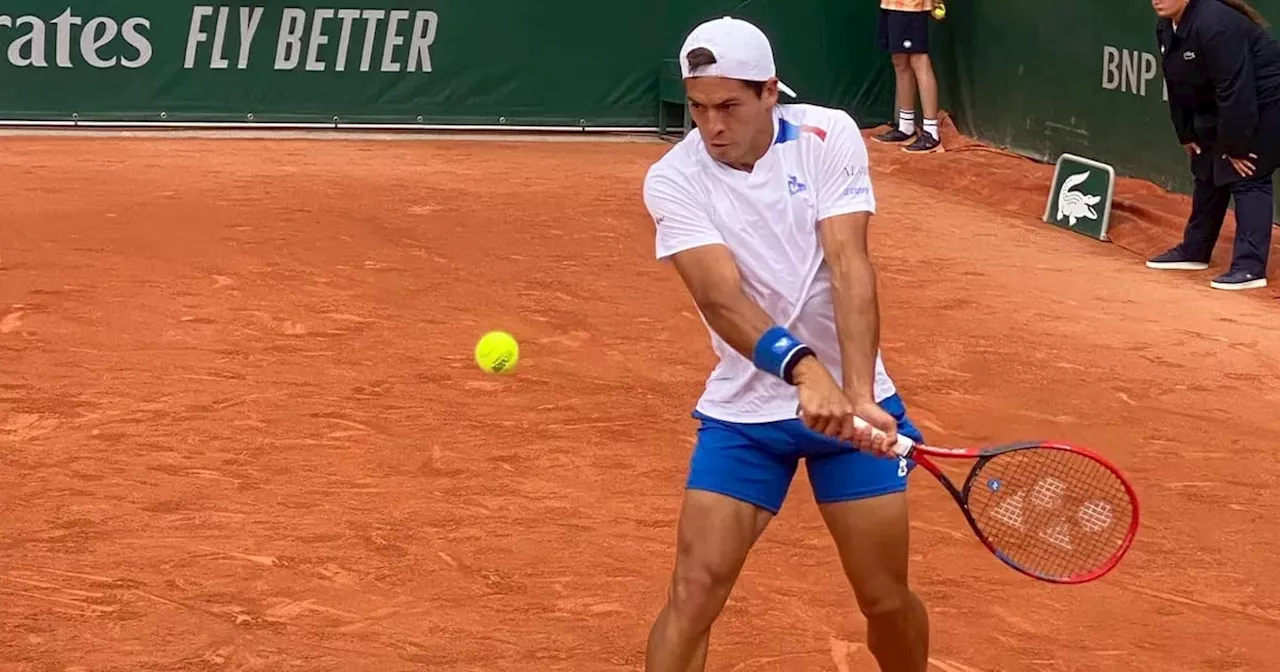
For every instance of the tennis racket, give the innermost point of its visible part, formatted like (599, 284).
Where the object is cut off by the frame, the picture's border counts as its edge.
(1051, 511)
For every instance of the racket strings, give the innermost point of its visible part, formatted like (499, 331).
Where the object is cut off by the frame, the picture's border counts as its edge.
(1056, 513)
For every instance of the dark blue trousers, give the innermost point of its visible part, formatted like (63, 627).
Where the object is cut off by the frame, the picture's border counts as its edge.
(1254, 197)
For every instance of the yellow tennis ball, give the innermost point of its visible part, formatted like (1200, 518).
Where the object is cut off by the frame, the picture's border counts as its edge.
(497, 352)
(940, 12)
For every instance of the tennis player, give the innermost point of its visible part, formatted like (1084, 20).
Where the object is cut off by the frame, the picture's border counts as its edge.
(763, 211)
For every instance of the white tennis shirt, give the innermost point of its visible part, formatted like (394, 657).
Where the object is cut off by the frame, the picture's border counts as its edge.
(768, 218)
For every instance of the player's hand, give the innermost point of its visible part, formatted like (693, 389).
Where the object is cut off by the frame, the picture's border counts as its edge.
(1191, 148)
(824, 407)
(879, 443)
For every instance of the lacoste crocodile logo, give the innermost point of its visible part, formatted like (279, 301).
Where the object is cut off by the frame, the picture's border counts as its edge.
(1076, 205)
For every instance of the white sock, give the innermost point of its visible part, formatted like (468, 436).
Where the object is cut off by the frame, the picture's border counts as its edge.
(931, 127)
(907, 121)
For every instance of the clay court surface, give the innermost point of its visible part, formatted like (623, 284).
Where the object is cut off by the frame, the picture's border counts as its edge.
(240, 427)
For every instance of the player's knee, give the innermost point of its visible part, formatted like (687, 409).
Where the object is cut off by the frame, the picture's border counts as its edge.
(697, 593)
(885, 601)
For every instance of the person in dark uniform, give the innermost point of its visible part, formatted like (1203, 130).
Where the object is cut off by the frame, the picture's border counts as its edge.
(1222, 68)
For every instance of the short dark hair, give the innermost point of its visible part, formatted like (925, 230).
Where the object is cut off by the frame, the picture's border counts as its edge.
(702, 57)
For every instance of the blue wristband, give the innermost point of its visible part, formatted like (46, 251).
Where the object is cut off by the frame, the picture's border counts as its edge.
(778, 351)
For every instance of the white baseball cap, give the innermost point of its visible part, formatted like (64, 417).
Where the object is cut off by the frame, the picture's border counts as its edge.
(741, 49)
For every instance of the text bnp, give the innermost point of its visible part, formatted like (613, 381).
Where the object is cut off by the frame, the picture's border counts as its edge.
(394, 40)
(1129, 71)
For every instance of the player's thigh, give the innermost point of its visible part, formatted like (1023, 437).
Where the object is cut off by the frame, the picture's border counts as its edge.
(715, 534)
(872, 536)
(735, 487)
(863, 501)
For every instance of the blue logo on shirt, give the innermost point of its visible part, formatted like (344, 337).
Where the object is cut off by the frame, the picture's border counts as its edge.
(854, 191)
(795, 186)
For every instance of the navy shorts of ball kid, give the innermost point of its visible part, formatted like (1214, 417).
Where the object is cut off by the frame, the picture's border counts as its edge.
(902, 32)
(755, 463)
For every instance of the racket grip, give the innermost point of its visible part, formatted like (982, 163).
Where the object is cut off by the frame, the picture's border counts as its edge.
(903, 445)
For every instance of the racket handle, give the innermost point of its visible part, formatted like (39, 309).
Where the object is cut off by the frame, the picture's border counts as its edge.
(902, 447)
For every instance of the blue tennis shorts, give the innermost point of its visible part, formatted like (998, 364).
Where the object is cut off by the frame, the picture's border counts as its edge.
(756, 462)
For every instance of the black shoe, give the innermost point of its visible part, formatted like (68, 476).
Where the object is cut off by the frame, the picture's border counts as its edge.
(893, 137)
(1236, 279)
(925, 143)
(1176, 260)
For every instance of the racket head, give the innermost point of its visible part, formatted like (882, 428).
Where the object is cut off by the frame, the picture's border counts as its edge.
(1052, 511)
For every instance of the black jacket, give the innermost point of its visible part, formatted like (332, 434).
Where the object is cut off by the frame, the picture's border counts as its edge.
(1223, 74)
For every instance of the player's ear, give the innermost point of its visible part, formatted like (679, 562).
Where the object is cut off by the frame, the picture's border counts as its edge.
(770, 92)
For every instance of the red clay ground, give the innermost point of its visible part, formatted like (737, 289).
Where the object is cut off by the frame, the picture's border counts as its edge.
(240, 428)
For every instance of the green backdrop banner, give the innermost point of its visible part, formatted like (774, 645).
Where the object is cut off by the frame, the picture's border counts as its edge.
(555, 62)
(450, 61)
(1081, 77)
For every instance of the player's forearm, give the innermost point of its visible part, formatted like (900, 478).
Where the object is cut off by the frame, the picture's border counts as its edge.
(857, 310)
(737, 319)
